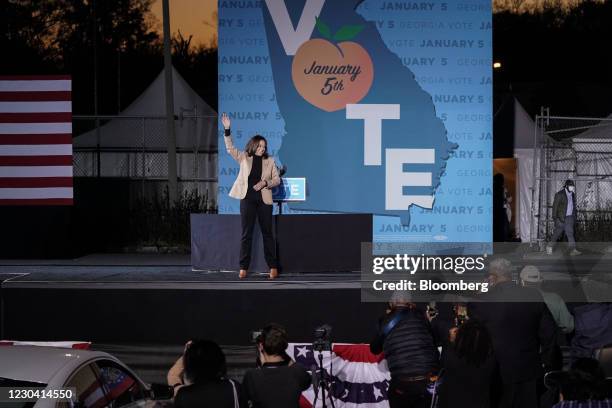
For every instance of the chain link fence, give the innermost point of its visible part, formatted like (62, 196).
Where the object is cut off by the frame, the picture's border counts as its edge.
(135, 148)
(579, 149)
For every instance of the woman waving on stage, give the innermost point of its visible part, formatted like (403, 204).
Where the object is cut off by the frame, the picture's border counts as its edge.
(253, 187)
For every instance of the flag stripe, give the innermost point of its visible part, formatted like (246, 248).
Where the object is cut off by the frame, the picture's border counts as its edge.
(36, 96)
(45, 117)
(35, 128)
(38, 201)
(28, 85)
(36, 150)
(30, 193)
(36, 171)
(57, 138)
(362, 384)
(81, 345)
(36, 140)
(35, 182)
(35, 160)
(118, 389)
(357, 353)
(36, 106)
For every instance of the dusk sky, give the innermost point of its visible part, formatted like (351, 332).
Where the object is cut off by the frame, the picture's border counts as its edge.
(189, 16)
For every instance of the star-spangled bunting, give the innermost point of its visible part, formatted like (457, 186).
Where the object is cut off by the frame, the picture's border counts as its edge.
(359, 378)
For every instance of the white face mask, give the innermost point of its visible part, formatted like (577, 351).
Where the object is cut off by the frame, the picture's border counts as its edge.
(571, 189)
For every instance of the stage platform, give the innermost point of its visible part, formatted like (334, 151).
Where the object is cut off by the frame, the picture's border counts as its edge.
(158, 298)
(151, 271)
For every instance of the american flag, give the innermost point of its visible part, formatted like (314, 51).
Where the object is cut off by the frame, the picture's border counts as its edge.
(35, 140)
(116, 381)
(359, 378)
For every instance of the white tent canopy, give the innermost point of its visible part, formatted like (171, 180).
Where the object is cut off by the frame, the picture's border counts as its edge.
(524, 128)
(134, 143)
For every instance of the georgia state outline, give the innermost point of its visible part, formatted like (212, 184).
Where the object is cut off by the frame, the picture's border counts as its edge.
(328, 149)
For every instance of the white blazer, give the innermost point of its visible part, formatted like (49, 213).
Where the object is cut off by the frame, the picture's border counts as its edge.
(269, 173)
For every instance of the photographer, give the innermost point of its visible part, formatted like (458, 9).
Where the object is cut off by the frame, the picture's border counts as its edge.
(469, 367)
(404, 335)
(279, 382)
(199, 378)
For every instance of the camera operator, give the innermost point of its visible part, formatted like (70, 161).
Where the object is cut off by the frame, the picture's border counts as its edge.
(404, 335)
(199, 378)
(278, 382)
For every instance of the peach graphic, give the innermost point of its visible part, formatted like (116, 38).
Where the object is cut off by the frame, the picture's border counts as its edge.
(330, 76)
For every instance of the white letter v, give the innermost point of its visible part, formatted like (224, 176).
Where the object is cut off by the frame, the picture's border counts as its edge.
(292, 39)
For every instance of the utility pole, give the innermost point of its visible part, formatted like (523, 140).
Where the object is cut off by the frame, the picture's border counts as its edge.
(172, 179)
(95, 85)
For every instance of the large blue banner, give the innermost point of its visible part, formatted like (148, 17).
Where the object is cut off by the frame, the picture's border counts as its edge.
(384, 107)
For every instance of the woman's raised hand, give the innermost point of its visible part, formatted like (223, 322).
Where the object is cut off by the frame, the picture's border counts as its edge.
(225, 120)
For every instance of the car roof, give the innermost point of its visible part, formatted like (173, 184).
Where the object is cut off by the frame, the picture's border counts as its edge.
(40, 364)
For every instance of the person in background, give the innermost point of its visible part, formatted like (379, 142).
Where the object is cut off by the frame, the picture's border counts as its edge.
(199, 378)
(469, 368)
(532, 278)
(523, 334)
(564, 216)
(593, 329)
(501, 226)
(583, 386)
(278, 383)
(405, 336)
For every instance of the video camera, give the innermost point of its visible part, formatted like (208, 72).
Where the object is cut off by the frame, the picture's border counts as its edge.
(256, 336)
(322, 338)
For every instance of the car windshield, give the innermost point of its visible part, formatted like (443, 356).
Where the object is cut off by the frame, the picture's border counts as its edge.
(10, 383)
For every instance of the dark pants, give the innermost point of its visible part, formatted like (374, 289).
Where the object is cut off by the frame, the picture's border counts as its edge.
(251, 208)
(520, 395)
(566, 226)
(408, 394)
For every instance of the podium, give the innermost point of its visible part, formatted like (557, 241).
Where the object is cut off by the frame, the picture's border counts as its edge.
(314, 243)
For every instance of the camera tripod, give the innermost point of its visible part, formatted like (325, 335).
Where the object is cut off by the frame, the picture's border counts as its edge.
(322, 382)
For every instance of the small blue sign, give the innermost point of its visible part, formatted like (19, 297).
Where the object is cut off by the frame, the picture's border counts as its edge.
(290, 189)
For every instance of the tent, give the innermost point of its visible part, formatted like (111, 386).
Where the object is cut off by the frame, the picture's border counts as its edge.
(514, 137)
(133, 144)
(524, 137)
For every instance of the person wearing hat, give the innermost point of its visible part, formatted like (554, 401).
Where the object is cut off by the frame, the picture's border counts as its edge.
(584, 385)
(564, 216)
(522, 331)
(532, 278)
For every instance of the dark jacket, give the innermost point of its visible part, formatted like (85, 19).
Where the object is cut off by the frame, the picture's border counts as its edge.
(213, 394)
(409, 347)
(465, 385)
(276, 385)
(523, 332)
(593, 329)
(560, 206)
